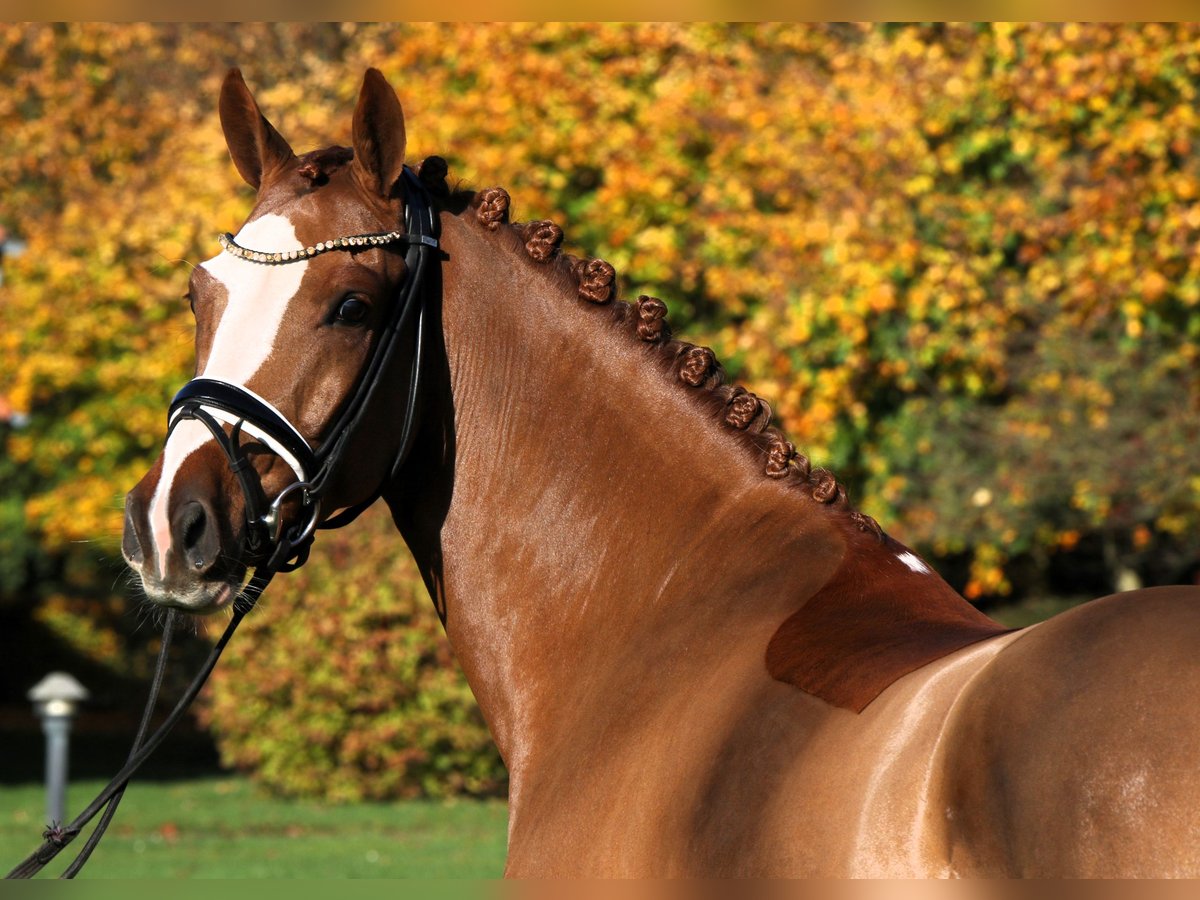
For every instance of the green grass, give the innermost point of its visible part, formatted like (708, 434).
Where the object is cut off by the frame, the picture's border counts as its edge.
(225, 828)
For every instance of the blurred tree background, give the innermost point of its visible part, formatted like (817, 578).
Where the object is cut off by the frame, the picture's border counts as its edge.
(961, 261)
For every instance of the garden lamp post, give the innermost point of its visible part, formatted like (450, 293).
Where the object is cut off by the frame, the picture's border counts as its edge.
(54, 701)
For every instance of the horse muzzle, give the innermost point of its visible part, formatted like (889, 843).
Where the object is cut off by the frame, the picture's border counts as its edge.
(180, 540)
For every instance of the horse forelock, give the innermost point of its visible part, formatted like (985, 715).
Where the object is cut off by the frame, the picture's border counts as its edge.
(318, 165)
(694, 368)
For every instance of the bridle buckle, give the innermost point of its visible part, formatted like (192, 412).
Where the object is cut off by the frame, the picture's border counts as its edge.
(272, 519)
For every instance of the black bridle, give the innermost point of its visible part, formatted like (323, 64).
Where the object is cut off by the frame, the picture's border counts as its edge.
(217, 404)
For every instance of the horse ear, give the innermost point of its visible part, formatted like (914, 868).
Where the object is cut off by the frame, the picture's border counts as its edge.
(378, 136)
(256, 147)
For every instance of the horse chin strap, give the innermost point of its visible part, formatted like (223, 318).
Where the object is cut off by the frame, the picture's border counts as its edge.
(217, 404)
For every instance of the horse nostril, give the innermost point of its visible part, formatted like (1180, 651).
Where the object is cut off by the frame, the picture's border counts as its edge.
(131, 544)
(193, 528)
(197, 536)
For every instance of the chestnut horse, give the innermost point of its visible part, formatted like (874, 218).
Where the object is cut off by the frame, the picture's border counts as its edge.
(695, 657)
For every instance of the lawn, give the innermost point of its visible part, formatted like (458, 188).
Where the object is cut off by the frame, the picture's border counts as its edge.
(223, 827)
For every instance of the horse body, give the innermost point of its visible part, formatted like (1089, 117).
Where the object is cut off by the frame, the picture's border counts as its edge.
(644, 584)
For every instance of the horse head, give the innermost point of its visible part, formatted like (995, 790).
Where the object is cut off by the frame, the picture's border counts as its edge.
(303, 313)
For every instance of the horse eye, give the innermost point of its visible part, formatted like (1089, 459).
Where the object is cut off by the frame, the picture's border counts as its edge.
(352, 311)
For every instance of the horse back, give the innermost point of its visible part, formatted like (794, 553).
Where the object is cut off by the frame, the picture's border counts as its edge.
(1077, 750)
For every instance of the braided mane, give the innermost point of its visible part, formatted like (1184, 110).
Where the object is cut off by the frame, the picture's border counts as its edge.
(694, 367)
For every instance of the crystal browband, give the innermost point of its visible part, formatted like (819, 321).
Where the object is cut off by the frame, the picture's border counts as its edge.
(351, 242)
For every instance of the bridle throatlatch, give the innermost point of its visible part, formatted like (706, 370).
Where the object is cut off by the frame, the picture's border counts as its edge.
(217, 404)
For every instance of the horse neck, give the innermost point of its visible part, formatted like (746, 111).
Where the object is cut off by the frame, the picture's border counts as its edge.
(582, 520)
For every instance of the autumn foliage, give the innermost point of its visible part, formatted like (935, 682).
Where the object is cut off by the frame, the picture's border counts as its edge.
(960, 261)
(343, 685)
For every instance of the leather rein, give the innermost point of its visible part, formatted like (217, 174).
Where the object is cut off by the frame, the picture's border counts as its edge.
(217, 404)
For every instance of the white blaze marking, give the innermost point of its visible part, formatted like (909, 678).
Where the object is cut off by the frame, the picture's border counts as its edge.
(257, 300)
(913, 561)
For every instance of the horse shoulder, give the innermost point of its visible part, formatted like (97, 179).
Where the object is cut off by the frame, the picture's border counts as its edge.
(1074, 752)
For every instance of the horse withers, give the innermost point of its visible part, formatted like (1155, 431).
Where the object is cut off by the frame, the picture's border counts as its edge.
(695, 656)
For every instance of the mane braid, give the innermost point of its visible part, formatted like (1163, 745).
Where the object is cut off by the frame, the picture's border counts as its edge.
(696, 368)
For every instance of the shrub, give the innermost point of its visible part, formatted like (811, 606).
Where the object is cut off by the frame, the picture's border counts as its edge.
(341, 684)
